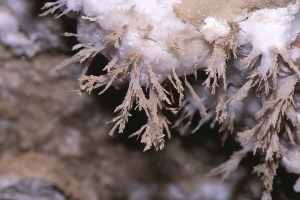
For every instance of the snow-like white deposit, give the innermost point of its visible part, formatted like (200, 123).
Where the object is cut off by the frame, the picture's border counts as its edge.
(149, 27)
(214, 29)
(269, 31)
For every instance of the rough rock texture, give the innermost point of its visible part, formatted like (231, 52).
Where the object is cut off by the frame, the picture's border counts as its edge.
(38, 114)
(32, 189)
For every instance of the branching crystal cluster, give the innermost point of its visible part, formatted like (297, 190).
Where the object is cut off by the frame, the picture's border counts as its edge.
(249, 51)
